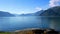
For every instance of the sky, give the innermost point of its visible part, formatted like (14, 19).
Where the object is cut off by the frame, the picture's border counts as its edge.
(26, 6)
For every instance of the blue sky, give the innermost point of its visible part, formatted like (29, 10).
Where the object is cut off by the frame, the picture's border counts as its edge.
(23, 6)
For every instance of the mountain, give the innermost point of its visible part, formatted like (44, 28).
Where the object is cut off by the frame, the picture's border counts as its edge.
(38, 12)
(5, 14)
(29, 14)
(33, 14)
(54, 11)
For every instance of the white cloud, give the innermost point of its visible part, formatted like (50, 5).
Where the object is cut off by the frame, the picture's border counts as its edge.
(53, 3)
(38, 8)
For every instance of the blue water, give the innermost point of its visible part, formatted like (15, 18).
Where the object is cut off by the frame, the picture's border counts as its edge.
(23, 22)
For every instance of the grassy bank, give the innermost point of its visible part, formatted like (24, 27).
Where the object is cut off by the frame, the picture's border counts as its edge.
(5, 33)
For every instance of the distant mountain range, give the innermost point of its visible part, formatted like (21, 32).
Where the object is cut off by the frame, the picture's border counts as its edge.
(5, 14)
(54, 11)
(33, 14)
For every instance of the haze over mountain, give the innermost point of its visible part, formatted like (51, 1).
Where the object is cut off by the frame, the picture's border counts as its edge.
(53, 11)
(33, 14)
(38, 12)
(5, 14)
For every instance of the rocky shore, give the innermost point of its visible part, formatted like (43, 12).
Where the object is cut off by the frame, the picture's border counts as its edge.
(32, 31)
(36, 31)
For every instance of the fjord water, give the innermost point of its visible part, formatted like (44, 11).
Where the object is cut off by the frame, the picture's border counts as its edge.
(23, 22)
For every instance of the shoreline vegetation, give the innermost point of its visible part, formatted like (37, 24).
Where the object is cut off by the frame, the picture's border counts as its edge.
(33, 31)
(5, 32)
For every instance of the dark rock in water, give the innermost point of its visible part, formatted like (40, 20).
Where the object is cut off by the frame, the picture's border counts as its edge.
(52, 32)
(37, 31)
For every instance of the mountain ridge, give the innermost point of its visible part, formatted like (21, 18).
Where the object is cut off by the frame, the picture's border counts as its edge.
(5, 14)
(53, 11)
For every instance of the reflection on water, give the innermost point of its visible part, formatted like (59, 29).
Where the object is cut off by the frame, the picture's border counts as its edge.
(55, 23)
(52, 22)
(17, 23)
